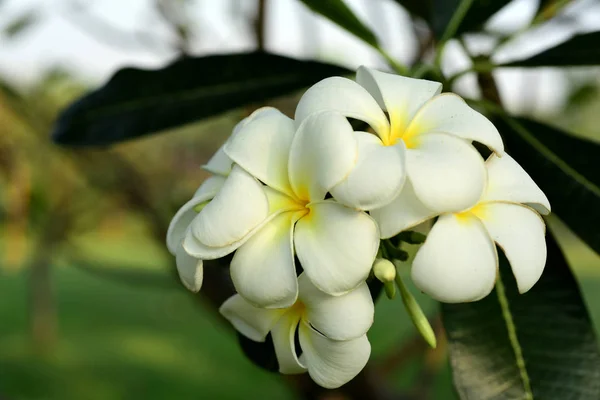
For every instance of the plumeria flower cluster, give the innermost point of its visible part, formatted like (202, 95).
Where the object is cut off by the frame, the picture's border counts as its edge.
(303, 204)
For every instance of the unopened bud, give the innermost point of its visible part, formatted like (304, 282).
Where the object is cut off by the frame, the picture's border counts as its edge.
(416, 314)
(384, 270)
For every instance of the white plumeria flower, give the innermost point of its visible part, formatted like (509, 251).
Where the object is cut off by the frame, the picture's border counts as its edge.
(426, 140)
(458, 262)
(190, 268)
(273, 206)
(331, 329)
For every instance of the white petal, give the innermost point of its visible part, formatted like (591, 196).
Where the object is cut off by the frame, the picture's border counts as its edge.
(332, 363)
(336, 246)
(507, 181)
(338, 317)
(400, 96)
(323, 153)
(446, 172)
(182, 220)
(519, 231)
(263, 269)
(449, 113)
(189, 269)
(377, 177)
(404, 212)
(252, 322)
(346, 97)
(240, 206)
(458, 261)
(262, 148)
(211, 186)
(283, 334)
(197, 249)
(219, 164)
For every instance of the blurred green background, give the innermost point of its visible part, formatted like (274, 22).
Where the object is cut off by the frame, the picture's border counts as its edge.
(90, 305)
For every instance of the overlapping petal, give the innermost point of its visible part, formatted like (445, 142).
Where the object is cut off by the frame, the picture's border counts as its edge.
(447, 173)
(458, 261)
(449, 113)
(400, 96)
(252, 322)
(211, 186)
(219, 164)
(520, 232)
(263, 269)
(182, 220)
(507, 181)
(346, 97)
(377, 177)
(323, 153)
(336, 246)
(262, 148)
(404, 212)
(240, 206)
(189, 269)
(344, 317)
(332, 363)
(283, 334)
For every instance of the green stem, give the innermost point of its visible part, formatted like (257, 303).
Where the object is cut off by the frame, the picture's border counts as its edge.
(455, 21)
(415, 312)
(396, 66)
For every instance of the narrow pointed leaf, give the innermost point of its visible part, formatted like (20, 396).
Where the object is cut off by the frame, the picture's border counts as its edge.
(136, 102)
(539, 345)
(564, 167)
(579, 50)
(338, 12)
(478, 13)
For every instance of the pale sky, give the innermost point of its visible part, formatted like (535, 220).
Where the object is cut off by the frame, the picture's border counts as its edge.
(71, 39)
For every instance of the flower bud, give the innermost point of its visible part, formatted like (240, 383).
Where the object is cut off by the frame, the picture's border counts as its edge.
(416, 314)
(384, 270)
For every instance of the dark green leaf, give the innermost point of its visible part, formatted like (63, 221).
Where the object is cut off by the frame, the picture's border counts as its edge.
(579, 50)
(137, 102)
(565, 168)
(419, 8)
(338, 12)
(478, 13)
(539, 345)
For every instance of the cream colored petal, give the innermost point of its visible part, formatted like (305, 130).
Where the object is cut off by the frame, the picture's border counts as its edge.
(449, 113)
(507, 181)
(336, 246)
(446, 172)
(240, 206)
(458, 261)
(219, 164)
(182, 220)
(262, 148)
(520, 232)
(283, 334)
(404, 212)
(198, 249)
(211, 186)
(332, 363)
(323, 153)
(263, 269)
(344, 317)
(377, 177)
(252, 322)
(346, 97)
(189, 269)
(400, 96)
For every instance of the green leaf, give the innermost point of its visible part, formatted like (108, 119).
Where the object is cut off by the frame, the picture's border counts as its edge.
(444, 11)
(579, 50)
(419, 8)
(564, 167)
(338, 12)
(137, 102)
(539, 345)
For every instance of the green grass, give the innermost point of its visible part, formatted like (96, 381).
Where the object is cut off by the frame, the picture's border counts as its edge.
(134, 340)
